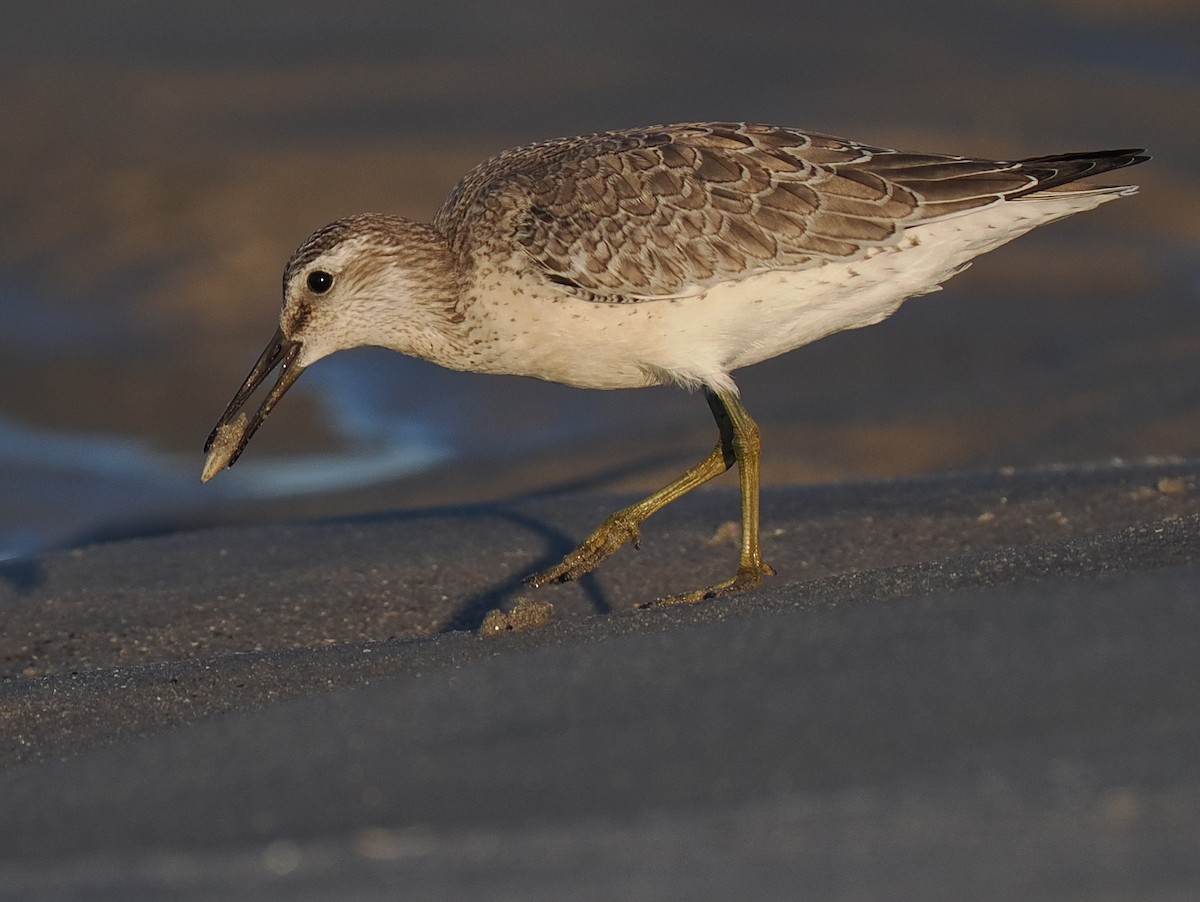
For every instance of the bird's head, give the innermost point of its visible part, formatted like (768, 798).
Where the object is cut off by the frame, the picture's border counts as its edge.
(364, 280)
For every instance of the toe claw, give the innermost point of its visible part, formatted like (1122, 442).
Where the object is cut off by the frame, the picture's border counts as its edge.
(747, 578)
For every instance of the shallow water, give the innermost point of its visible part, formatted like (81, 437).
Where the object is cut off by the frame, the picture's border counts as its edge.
(152, 187)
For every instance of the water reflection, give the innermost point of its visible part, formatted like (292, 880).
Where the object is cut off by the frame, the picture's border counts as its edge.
(56, 484)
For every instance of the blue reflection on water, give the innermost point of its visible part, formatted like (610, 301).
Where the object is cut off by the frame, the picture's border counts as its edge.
(55, 484)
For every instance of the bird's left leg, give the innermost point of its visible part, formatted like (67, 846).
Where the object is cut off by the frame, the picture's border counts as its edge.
(739, 433)
(739, 442)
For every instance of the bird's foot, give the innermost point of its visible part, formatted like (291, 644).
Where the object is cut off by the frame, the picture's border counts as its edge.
(749, 576)
(617, 530)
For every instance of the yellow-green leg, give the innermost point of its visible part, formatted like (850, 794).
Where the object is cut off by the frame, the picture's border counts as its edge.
(739, 442)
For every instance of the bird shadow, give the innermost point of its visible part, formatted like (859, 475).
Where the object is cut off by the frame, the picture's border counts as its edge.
(469, 614)
(25, 575)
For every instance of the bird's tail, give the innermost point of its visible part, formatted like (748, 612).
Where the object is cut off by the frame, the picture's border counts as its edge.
(1057, 173)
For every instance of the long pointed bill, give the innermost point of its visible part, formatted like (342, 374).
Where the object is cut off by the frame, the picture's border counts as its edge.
(233, 431)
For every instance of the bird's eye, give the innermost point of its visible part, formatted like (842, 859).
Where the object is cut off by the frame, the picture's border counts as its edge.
(319, 281)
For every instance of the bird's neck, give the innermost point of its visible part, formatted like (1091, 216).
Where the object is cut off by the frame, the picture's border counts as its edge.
(426, 280)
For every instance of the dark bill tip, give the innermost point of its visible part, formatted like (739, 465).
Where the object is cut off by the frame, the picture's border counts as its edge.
(234, 429)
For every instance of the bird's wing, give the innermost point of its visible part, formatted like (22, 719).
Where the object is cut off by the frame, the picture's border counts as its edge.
(669, 211)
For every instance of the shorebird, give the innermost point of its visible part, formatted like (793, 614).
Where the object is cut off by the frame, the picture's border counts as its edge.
(670, 254)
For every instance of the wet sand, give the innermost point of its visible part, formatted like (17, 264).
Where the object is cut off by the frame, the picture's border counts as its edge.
(979, 685)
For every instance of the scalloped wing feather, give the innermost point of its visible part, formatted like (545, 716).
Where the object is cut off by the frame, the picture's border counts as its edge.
(670, 211)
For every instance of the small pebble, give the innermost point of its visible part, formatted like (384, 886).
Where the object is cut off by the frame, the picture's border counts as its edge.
(526, 615)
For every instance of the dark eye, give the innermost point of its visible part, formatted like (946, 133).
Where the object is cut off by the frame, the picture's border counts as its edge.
(319, 281)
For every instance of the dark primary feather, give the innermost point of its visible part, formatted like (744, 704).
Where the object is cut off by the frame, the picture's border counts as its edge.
(655, 212)
(1061, 169)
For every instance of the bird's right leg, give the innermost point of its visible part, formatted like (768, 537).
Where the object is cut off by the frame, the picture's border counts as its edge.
(625, 525)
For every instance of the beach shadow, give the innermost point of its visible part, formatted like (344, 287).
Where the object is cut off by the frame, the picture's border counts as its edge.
(23, 574)
(470, 612)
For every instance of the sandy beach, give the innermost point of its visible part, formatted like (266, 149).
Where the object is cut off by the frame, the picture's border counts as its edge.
(975, 685)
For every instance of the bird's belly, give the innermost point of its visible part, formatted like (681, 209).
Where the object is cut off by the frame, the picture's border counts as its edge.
(692, 341)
